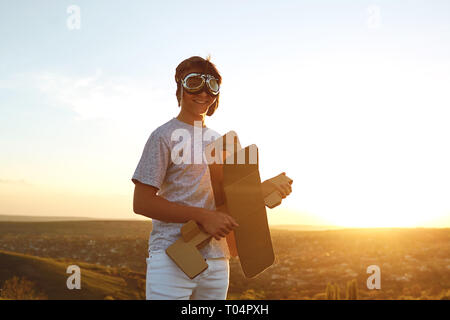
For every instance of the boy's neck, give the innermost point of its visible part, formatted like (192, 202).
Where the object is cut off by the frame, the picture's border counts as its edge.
(190, 118)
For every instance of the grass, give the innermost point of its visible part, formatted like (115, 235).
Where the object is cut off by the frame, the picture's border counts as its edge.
(50, 276)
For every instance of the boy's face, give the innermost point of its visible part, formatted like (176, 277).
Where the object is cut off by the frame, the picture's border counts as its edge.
(197, 103)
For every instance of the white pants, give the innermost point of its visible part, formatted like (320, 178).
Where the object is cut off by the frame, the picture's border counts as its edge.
(165, 281)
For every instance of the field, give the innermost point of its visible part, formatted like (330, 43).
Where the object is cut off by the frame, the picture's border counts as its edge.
(414, 263)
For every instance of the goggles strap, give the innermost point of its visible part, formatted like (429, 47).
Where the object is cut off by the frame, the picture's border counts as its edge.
(181, 98)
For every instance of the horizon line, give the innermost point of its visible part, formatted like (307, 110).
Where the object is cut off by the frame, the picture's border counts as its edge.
(50, 218)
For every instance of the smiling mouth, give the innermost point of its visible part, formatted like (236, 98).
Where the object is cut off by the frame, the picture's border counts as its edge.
(199, 101)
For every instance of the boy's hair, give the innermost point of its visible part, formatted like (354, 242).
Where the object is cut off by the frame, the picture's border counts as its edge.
(198, 63)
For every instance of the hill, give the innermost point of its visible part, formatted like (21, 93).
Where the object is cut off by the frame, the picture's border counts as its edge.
(50, 277)
(21, 218)
(414, 262)
(304, 227)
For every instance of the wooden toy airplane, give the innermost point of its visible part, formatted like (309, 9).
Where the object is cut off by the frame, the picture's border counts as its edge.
(237, 191)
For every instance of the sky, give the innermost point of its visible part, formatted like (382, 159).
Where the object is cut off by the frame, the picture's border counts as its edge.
(350, 98)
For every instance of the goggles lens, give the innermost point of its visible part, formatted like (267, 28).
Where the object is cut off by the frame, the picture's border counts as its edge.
(213, 84)
(195, 82)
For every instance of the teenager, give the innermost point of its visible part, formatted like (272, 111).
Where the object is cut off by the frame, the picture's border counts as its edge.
(173, 192)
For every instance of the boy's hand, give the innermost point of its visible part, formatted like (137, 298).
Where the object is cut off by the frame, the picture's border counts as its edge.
(217, 223)
(284, 189)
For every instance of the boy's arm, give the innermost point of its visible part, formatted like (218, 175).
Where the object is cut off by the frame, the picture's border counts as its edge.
(147, 203)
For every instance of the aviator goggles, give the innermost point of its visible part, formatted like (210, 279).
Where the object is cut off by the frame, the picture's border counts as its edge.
(195, 83)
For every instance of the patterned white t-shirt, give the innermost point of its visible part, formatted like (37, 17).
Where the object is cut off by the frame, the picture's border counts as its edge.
(183, 182)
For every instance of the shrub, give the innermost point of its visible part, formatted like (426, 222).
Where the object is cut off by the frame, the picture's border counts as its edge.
(333, 292)
(21, 289)
(445, 295)
(251, 294)
(352, 290)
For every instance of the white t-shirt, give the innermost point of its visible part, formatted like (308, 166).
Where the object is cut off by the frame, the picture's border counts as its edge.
(187, 183)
